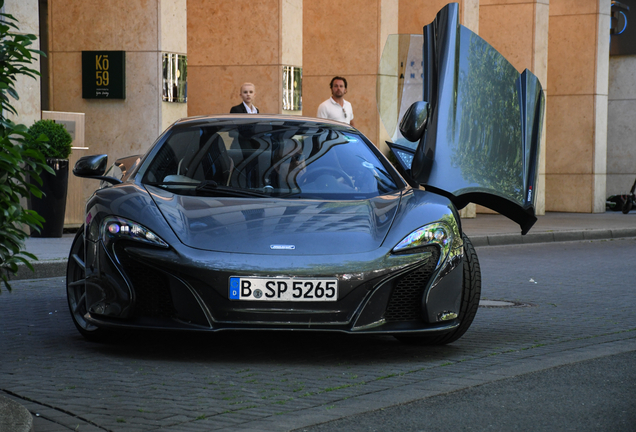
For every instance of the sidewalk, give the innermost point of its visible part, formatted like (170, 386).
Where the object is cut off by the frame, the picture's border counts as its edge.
(484, 230)
(497, 230)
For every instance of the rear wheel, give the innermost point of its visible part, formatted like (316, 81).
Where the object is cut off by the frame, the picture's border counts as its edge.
(76, 290)
(627, 205)
(471, 292)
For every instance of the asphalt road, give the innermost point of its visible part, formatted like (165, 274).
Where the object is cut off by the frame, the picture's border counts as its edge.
(593, 395)
(575, 309)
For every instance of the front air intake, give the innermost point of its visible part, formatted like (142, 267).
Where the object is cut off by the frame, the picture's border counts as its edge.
(405, 303)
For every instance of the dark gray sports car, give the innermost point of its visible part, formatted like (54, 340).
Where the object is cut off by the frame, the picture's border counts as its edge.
(280, 222)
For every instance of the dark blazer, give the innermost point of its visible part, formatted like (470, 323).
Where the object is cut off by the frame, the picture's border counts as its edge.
(240, 109)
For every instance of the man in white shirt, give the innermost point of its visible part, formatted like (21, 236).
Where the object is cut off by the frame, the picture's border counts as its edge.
(336, 107)
(247, 93)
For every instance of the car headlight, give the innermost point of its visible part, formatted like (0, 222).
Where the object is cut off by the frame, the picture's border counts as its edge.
(114, 228)
(437, 233)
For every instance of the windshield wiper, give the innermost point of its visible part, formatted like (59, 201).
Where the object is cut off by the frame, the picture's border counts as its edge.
(172, 183)
(212, 186)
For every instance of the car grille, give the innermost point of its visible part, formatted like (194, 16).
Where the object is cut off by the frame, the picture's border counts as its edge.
(405, 303)
(152, 289)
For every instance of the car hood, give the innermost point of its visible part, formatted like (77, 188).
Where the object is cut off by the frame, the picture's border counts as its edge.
(482, 137)
(280, 226)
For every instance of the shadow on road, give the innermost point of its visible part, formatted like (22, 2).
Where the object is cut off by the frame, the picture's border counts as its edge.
(279, 348)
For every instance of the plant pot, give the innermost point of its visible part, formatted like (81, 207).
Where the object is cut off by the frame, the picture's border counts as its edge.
(52, 205)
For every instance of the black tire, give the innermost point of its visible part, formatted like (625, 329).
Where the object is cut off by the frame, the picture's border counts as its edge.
(627, 205)
(614, 203)
(76, 290)
(471, 293)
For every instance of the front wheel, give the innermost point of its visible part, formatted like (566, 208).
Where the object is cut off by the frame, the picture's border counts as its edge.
(471, 292)
(76, 290)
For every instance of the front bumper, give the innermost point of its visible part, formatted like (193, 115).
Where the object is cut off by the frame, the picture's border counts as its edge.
(130, 286)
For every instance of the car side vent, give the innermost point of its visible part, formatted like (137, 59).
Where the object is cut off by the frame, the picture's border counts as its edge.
(152, 290)
(405, 303)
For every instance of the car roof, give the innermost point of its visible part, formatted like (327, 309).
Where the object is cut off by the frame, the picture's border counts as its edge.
(259, 118)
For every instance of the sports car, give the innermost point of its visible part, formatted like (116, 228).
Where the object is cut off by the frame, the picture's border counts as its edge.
(291, 223)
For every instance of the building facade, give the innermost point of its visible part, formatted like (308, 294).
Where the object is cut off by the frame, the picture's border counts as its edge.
(590, 96)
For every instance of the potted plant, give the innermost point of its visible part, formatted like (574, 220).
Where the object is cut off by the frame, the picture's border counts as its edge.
(56, 148)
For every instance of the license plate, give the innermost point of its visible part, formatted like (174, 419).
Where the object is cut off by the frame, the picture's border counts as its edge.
(283, 289)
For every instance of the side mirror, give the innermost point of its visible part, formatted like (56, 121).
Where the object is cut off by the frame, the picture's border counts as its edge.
(413, 123)
(91, 166)
(94, 167)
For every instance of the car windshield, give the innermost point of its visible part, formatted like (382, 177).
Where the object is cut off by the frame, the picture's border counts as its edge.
(278, 159)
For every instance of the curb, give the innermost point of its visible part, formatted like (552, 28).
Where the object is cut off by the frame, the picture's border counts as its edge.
(41, 270)
(551, 237)
(14, 417)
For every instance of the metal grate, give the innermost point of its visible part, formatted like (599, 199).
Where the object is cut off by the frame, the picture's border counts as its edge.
(405, 303)
(152, 288)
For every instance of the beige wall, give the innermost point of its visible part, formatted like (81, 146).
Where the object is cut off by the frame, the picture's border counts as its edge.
(337, 44)
(28, 106)
(415, 14)
(577, 105)
(518, 29)
(307, 33)
(621, 127)
(227, 48)
(118, 127)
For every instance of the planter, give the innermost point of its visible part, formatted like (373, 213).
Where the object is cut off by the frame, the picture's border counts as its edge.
(52, 205)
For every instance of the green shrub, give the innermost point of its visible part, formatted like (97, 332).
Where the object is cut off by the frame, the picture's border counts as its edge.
(59, 140)
(18, 161)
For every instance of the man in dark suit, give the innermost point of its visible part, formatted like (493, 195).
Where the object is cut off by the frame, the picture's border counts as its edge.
(247, 93)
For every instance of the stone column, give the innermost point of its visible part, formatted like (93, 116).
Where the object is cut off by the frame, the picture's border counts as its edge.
(28, 106)
(291, 41)
(387, 79)
(235, 41)
(518, 29)
(621, 127)
(144, 30)
(173, 39)
(577, 105)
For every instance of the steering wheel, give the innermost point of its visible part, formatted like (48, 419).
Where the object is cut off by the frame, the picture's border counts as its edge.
(329, 171)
